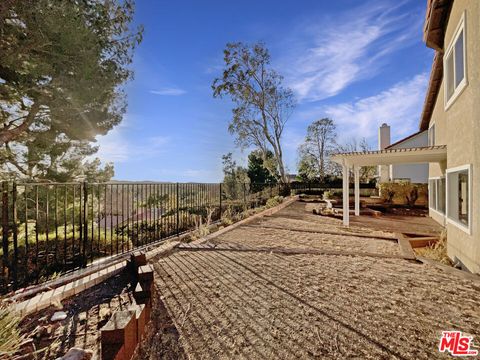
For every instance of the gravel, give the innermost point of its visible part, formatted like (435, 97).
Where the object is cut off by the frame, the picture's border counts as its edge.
(258, 305)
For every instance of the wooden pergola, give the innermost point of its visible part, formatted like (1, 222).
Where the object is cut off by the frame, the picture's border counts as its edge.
(353, 161)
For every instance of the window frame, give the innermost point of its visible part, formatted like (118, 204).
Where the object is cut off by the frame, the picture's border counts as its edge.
(450, 51)
(450, 220)
(435, 180)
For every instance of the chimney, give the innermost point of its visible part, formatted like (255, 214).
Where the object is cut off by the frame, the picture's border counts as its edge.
(383, 142)
(383, 136)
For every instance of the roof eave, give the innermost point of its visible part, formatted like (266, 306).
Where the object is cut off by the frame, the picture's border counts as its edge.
(435, 23)
(436, 76)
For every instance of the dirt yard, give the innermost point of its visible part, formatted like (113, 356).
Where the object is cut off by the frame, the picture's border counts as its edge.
(252, 304)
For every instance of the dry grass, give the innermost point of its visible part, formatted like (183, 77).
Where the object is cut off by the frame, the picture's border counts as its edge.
(202, 226)
(10, 335)
(437, 251)
(226, 304)
(233, 304)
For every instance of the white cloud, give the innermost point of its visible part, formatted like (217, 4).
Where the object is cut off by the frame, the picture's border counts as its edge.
(168, 92)
(400, 107)
(117, 146)
(328, 55)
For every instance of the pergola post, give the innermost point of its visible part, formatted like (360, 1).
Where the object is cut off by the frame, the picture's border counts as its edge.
(346, 207)
(356, 171)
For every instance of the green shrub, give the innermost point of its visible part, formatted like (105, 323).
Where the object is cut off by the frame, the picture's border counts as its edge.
(388, 191)
(402, 192)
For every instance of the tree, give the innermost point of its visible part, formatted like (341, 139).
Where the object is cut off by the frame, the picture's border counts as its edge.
(235, 178)
(61, 71)
(307, 169)
(319, 143)
(257, 170)
(262, 104)
(58, 160)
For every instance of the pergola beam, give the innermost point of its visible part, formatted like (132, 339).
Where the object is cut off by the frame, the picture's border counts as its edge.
(346, 198)
(356, 171)
(430, 154)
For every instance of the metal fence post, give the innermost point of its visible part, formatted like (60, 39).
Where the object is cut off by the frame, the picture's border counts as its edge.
(85, 223)
(5, 226)
(15, 238)
(178, 215)
(220, 202)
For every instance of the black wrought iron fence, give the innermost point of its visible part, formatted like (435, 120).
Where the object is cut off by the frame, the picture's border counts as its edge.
(52, 228)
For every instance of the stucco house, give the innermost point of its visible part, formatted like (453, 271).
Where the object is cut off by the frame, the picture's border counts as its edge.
(450, 116)
(414, 173)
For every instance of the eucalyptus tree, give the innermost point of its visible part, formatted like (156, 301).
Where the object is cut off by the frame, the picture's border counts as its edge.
(262, 104)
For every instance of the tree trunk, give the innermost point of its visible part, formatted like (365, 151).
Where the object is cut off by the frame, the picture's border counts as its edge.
(7, 135)
(281, 168)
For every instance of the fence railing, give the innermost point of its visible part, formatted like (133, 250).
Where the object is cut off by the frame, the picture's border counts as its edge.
(53, 228)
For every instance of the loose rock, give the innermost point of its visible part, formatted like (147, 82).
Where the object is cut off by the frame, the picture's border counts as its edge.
(58, 316)
(77, 354)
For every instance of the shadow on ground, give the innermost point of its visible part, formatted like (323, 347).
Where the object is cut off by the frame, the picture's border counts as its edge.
(259, 305)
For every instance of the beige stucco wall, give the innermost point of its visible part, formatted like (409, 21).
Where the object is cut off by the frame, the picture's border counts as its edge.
(459, 128)
(416, 173)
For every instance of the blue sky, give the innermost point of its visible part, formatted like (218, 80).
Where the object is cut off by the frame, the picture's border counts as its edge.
(360, 63)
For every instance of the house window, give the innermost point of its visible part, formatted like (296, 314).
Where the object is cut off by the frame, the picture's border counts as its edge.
(454, 65)
(432, 194)
(436, 194)
(431, 135)
(441, 195)
(459, 196)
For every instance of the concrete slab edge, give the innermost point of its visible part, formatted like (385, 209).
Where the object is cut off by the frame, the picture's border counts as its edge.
(54, 296)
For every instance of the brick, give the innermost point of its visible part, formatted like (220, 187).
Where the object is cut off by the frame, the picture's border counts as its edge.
(148, 310)
(147, 286)
(139, 259)
(140, 315)
(121, 329)
(79, 285)
(145, 273)
(113, 352)
(141, 295)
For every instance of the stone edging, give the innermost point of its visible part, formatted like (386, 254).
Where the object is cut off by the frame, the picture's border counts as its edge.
(47, 298)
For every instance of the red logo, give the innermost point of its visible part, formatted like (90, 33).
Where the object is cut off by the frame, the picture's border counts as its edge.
(456, 344)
